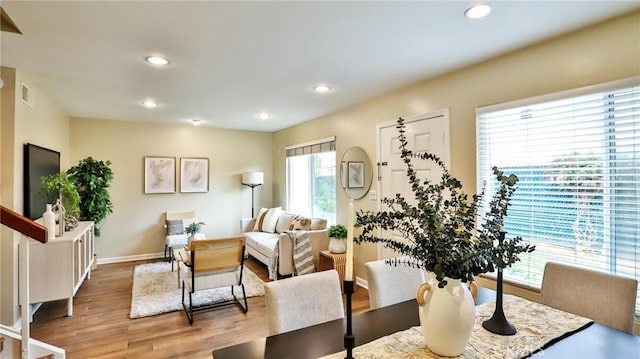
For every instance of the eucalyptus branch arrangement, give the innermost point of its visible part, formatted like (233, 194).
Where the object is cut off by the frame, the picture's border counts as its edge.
(194, 228)
(440, 224)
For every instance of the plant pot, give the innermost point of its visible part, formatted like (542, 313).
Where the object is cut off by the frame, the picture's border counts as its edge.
(447, 316)
(337, 245)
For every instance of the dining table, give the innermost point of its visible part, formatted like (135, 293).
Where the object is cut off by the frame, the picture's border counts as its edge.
(592, 340)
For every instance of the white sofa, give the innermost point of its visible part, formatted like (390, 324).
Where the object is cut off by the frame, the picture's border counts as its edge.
(261, 240)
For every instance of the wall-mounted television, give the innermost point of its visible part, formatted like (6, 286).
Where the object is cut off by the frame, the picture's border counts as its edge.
(38, 162)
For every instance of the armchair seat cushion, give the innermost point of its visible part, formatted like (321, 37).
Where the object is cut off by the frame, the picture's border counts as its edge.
(204, 280)
(176, 240)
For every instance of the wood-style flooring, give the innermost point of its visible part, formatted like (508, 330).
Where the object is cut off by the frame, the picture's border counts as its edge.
(101, 328)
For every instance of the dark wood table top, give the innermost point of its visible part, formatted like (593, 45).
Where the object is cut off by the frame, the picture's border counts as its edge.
(596, 341)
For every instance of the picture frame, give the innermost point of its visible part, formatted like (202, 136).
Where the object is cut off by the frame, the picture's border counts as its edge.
(194, 175)
(356, 174)
(159, 174)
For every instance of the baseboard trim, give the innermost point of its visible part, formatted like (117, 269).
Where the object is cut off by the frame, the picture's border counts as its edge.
(363, 283)
(137, 257)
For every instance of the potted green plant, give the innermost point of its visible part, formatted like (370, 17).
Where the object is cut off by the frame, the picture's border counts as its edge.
(194, 228)
(337, 234)
(60, 186)
(443, 236)
(92, 179)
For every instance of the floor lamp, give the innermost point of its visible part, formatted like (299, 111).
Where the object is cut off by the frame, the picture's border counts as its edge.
(253, 180)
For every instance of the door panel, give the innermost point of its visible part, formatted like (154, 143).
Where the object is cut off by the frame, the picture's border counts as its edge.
(427, 133)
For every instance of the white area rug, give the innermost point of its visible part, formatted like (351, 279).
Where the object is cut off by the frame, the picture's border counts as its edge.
(155, 290)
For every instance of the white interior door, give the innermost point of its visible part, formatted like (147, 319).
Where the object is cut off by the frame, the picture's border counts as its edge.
(425, 133)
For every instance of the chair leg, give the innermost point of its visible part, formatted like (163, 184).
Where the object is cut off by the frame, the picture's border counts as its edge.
(188, 311)
(166, 258)
(244, 307)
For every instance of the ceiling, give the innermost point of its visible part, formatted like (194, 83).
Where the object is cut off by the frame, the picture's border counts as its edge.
(233, 60)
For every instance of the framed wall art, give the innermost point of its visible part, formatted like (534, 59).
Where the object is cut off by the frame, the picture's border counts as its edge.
(356, 174)
(159, 174)
(194, 175)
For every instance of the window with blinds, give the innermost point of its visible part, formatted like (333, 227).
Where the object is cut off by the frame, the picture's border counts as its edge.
(577, 156)
(311, 179)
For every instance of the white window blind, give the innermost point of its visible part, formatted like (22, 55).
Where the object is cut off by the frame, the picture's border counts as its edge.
(577, 155)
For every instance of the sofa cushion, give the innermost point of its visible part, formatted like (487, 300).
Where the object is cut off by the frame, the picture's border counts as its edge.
(317, 224)
(174, 227)
(263, 242)
(284, 221)
(300, 223)
(261, 213)
(267, 220)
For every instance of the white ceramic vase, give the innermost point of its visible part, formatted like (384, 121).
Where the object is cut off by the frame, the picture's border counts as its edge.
(337, 245)
(447, 316)
(49, 222)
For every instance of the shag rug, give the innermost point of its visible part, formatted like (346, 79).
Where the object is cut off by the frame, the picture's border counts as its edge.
(155, 290)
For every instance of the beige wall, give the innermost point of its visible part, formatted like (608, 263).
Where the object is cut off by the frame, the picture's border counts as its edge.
(45, 125)
(134, 229)
(597, 54)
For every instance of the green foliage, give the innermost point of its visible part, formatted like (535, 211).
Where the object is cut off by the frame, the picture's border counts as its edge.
(194, 228)
(92, 178)
(440, 227)
(337, 231)
(61, 185)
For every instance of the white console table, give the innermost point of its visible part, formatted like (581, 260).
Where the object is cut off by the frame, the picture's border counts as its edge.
(58, 268)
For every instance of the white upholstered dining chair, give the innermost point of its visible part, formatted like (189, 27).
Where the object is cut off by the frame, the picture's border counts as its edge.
(303, 301)
(605, 298)
(389, 284)
(213, 263)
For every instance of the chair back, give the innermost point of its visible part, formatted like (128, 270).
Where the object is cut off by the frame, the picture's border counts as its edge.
(217, 254)
(606, 298)
(303, 301)
(389, 284)
(181, 214)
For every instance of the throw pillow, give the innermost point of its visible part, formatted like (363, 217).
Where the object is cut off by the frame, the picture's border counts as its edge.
(267, 222)
(284, 222)
(261, 213)
(174, 227)
(300, 223)
(318, 223)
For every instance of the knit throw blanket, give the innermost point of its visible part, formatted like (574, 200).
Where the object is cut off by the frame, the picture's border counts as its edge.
(302, 255)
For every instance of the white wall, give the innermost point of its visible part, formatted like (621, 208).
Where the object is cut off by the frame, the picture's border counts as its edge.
(134, 230)
(44, 124)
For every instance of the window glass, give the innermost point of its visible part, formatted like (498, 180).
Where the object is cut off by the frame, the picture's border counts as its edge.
(578, 162)
(311, 185)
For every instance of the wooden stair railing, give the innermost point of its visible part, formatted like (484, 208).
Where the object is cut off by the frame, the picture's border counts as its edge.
(23, 224)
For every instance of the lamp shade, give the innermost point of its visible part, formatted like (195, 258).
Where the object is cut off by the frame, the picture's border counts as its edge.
(252, 178)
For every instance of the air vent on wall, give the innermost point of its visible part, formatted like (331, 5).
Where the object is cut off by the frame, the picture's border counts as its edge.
(26, 95)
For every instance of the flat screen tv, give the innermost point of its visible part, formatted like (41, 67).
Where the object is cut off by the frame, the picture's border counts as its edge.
(38, 162)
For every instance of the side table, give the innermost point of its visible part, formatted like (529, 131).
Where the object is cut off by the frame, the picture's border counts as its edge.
(337, 261)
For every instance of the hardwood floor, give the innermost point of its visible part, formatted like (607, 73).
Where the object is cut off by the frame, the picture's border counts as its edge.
(101, 328)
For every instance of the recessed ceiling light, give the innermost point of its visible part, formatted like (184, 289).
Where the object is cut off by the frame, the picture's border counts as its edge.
(149, 104)
(321, 88)
(196, 122)
(157, 60)
(263, 116)
(477, 11)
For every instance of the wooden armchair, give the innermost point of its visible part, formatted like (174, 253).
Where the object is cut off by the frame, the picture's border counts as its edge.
(213, 263)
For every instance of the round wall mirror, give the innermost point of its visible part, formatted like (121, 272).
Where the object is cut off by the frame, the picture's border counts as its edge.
(355, 172)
